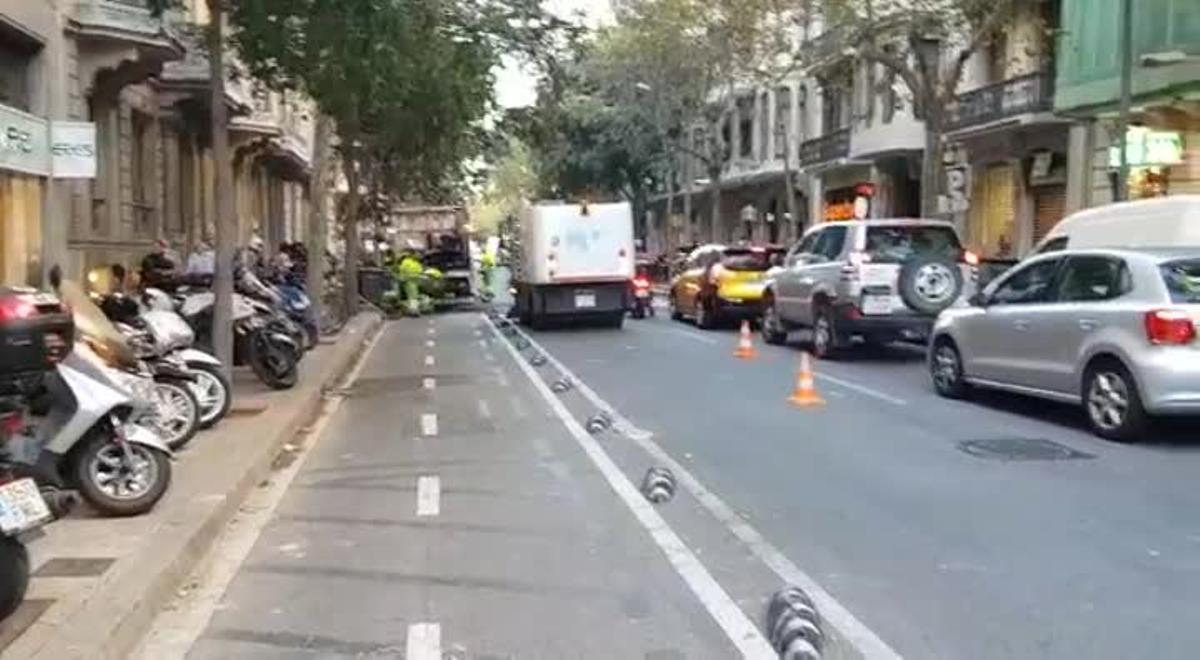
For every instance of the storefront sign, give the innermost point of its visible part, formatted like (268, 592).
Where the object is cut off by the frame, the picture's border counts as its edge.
(1146, 147)
(24, 143)
(73, 149)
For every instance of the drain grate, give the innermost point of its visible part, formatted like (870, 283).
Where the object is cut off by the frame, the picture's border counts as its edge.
(74, 567)
(1022, 449)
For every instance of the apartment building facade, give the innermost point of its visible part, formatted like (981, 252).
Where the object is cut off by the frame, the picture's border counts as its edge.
(133, 88)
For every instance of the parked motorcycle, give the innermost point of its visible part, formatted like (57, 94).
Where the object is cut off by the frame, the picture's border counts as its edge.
(164, 340)
(272, 354)
(272, 304)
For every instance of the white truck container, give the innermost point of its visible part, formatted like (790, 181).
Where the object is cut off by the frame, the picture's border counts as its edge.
(576, 262)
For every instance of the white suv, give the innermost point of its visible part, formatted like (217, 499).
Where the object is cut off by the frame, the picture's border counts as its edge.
(874, 281)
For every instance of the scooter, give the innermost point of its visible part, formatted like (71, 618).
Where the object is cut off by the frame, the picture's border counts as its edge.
(272, 354)
(643, 297)
(164, 340)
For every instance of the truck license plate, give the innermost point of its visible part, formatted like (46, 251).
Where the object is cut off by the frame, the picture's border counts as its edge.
(876, 304)
(21, 506)
(585, 299)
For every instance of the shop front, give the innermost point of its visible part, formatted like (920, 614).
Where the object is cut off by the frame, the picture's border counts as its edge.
(1160, 162)
(852, 202)
(24, 167)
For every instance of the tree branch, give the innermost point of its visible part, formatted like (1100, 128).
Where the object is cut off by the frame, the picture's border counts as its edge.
(989, 26)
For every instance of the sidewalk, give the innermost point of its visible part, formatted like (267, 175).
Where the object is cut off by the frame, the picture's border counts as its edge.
(448, 513)
(98, 582)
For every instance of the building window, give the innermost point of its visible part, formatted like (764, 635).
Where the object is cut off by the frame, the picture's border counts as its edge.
(17, 50)
(726, 139)
(745, 116)
(764, 126)
(141, 169)
(783, 120)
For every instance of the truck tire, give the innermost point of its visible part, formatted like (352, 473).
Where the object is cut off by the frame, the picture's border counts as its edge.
(929, 284)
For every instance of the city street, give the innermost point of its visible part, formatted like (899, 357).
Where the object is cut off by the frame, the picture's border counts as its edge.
(473, 517)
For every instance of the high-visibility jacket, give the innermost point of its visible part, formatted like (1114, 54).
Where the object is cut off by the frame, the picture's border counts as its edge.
(409, 268)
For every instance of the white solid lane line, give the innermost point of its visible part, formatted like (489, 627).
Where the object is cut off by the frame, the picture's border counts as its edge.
(742, 632)
(429, 360)
(424, 642)
(855, 632)
(428, 383)
(862, 389)
(429, 494)
(429, 424)
(430, 343)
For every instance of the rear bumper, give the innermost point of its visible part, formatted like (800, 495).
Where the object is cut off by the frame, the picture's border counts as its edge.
(1169, 380)
(739, 309)
(888, 326)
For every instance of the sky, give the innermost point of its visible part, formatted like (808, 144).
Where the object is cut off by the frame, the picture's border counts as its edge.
(515, 83)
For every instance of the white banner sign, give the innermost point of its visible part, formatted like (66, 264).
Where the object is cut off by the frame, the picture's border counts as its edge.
(73, 149)
(23, 142)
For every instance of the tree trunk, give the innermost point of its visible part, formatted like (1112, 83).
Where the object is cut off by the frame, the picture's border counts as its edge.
(222, 318)
(716, 232)
(665, 233)
(318, 187)
(350, 231)
(931, 162)
(789, 190)
(687, 209)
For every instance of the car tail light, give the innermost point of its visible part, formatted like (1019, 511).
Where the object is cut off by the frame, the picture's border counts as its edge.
(14, 308)
(970, 258)
(1170, 326)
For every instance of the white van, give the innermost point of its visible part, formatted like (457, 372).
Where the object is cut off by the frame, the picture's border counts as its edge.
(1161, 222)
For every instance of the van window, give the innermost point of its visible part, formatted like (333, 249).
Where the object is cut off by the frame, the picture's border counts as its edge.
(1182, 279)
(1054, 245)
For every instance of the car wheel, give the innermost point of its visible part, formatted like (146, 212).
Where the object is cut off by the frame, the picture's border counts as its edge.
(946, 369)
(771, 327)
(704, 315)
(929, 284)
(825, 342)
(1112, 403)
(673, 303)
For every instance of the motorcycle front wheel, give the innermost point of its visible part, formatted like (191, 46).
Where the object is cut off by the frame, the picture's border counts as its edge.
(119, 479)
(14, 575)
(274, 365)
(176, 412)
(213, 392)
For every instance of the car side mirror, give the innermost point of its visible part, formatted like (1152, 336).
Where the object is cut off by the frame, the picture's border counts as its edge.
(978, 300)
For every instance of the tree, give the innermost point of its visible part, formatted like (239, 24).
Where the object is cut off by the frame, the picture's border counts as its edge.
(405, 81)
(926, 44)
(222, 319)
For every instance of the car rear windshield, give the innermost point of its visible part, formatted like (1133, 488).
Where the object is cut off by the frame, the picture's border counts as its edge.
(747, 260)
(899, 243)
(1182, 279)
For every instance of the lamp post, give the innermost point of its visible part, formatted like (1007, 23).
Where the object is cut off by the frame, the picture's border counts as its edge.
(1122, 189)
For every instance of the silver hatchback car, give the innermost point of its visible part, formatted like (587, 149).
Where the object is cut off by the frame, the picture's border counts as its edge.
(1113, 330)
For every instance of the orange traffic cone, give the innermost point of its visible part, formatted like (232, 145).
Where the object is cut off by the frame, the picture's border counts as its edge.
(805, 395)
(745, 349)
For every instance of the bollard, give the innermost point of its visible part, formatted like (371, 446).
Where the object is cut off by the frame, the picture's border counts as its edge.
(521, 343)
(794, 626)
(560, 386)
(537, 359)
(597, 423)
(658, 485)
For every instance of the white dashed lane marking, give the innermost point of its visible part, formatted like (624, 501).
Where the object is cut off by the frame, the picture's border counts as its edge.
(429, 424)
(429, 494)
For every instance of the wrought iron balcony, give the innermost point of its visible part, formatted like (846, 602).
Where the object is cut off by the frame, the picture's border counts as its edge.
(1022, 95)
(826, 148)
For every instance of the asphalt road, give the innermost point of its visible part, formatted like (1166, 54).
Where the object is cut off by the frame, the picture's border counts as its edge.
(1087, 550)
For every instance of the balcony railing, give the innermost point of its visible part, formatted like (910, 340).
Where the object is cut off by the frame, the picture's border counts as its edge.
(1022, 95)
(129, 20)
(826, 148)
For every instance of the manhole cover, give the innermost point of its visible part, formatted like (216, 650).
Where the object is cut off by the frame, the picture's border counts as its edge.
(1021, 449)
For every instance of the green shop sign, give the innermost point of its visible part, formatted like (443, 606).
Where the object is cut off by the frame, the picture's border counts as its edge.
(1146, 147)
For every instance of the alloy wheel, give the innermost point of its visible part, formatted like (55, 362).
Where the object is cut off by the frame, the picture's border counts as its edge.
(946, 368)
(1108, 400)
(174, 411)
(123, 472)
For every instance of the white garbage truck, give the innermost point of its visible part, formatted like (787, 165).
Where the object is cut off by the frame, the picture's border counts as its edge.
(576, 262)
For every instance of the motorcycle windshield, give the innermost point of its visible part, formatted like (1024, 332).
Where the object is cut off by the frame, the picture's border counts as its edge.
(92, 325)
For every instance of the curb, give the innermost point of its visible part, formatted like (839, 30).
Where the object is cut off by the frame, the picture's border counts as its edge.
(111, 624)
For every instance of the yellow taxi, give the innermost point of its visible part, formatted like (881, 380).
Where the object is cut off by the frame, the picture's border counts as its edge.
(719, 283)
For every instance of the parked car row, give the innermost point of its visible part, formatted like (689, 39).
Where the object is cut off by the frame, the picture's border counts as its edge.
(1104, 314)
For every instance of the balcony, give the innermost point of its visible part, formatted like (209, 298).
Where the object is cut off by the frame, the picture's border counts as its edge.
(827, 148)
(128, 21)
(1006, 100)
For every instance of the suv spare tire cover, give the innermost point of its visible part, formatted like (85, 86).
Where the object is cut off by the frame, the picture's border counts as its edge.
(929, 283)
